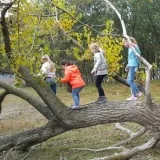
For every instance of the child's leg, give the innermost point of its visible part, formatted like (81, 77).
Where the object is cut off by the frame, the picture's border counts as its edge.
(130, 79)
(54, 87)
(75, 95)
(99, 80)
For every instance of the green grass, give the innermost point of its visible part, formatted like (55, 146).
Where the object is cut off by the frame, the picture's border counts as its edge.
(95, 137)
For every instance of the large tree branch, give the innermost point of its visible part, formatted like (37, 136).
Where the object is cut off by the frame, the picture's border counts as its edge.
(65, 115)
(110, 112)
(35, 102)
(58, 109)
(124, 82)
(26, 139)
(2, 96)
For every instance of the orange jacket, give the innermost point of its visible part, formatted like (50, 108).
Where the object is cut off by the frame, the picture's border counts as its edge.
(73, 76)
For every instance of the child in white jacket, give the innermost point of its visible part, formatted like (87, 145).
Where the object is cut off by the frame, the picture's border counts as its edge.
(48, 69)
(100, 70)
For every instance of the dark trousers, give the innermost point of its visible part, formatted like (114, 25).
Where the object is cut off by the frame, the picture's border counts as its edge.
(99, 79)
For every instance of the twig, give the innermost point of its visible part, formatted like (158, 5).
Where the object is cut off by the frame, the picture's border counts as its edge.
(134, 136)
(126, 130)
(27, 154)
(101, 34)
(99, 150)
(8, 153)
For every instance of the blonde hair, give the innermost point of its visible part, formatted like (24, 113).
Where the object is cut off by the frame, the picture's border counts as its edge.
(47, 58)
(133, 40)
(94, 47)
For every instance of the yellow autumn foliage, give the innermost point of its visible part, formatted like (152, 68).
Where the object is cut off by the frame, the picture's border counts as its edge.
(34, 27)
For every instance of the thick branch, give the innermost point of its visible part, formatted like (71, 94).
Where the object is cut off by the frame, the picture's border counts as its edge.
(26, 139)
(2, 96)
(39, 105)
(58, 109)
(121, 111)
(124, 81)
(71, 39)
(110, 112)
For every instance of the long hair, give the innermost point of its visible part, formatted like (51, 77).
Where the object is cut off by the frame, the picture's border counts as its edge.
(94, 47)
(47, 58)
(133, 40)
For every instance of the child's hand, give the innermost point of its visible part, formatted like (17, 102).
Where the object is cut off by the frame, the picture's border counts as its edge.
(93, 72)
(58, 79)
(126, 68)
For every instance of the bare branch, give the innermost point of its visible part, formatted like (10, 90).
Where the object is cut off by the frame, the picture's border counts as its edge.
(2, 96)
(124, 81)
(99, 150)
(127, 154)
(41, 15)
(126, 130)
(134, 136)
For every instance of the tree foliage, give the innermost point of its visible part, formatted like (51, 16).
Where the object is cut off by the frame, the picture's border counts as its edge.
(36, 28)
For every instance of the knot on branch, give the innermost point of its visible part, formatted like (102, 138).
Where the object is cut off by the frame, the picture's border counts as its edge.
(149, 100)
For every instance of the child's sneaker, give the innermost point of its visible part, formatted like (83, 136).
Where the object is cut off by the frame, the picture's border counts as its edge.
(101, 99)
(75, 107)
(132, 98)
(138, 94)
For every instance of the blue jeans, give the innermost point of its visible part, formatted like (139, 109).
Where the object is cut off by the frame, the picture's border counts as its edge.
(75, 95)
(51, 83)
(130, 79)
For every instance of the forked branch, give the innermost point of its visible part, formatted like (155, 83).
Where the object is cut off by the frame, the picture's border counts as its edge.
(131, 134)
(129, 153)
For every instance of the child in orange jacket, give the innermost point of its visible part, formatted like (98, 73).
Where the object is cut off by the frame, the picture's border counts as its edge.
(73, 75)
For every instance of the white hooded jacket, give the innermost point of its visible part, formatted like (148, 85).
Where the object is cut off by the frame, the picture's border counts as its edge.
(100, 64)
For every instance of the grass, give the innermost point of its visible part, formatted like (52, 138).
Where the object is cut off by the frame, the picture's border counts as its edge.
(23, 117)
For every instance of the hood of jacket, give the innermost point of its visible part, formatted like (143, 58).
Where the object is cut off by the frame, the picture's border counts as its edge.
(72, 68)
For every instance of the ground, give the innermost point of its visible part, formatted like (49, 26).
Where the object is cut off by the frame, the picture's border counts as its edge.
(18, 115)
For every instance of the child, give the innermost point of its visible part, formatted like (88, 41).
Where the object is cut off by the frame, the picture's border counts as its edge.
(100, 70)
(131, 67)
(73, 76)
(48, 69)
